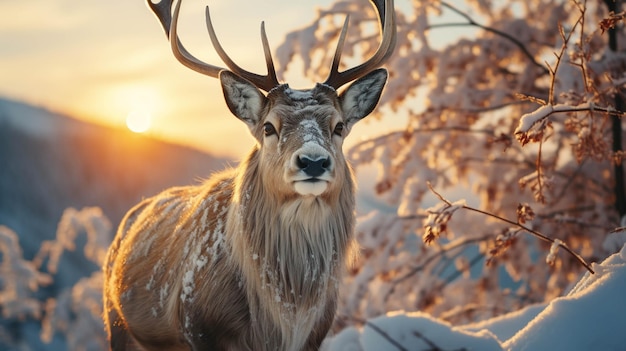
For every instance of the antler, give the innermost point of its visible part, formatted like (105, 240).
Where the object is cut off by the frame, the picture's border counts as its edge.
(386, 16)
(163, 11)
(387, 19)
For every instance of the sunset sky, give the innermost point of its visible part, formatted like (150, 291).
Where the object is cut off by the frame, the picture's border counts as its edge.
(104, 60)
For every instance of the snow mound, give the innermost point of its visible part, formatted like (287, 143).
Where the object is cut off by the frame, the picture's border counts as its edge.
(585, 318)
(410, 331)
(589, 317)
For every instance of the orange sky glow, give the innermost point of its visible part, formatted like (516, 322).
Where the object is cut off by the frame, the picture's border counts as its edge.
(100, 61)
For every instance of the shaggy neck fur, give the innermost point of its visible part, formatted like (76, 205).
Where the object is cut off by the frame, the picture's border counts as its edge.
(291, 251)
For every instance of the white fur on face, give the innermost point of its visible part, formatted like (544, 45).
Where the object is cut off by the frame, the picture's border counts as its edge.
(313, 149)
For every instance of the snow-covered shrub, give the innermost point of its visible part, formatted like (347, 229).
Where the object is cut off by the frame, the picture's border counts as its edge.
(19, 280)
(77, 314)
(74, 313)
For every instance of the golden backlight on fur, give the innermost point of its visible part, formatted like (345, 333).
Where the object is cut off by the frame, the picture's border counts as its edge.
(250, 259)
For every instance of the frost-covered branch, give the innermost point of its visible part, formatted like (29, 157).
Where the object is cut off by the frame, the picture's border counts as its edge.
(531, 125)
(442, 216)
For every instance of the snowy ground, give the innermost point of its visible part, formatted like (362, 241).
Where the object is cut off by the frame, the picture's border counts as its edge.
(592, 316)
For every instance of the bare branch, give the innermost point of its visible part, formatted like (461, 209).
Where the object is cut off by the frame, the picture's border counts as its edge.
(471, 22)
(517, 224)
(387, 337)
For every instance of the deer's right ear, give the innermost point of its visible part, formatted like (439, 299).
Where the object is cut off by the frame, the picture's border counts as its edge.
(242, 97)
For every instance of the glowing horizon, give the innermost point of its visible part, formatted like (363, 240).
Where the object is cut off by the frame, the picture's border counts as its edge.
(68, 57)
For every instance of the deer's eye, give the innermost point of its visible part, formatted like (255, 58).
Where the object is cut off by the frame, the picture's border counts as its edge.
(339, 129)
(268, 129)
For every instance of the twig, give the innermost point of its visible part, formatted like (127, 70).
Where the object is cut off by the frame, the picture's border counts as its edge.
(378, 330)
(519, 225)
(392, 341)
(585, 57)
(559, 57)
(541, 198)
(433, 346)
(386, 336)
(471, 22)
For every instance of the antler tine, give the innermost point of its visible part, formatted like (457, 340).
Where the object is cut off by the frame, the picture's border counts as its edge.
(163, 11)
(267, 82)
(334, 68)
(169, 23)
(386, 15)
(271, 71)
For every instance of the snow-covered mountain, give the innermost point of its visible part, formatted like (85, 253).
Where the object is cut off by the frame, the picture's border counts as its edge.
(50, 162)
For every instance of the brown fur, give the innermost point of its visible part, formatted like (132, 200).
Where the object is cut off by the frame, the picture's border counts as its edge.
(243, 261)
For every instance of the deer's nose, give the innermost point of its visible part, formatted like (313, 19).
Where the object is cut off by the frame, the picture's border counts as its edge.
(313, 167)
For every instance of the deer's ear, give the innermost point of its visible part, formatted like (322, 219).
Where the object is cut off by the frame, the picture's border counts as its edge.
(243, 98)
(360, 98)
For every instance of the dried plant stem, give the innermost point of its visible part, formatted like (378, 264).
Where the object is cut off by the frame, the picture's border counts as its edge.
(387, 337)
(581, 44)
(519, 225)
(431, 344)
(559, 56)
(377, 329)
(396, 344)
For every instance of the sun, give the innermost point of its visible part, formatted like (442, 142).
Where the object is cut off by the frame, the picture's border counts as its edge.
(139, 121)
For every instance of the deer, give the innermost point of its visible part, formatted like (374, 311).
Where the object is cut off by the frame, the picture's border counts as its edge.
(252, 257)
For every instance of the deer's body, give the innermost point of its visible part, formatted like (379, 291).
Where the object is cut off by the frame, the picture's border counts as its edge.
(211, 259)
(250, 259)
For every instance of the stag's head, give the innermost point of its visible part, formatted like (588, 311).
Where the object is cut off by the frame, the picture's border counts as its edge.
(299, 133)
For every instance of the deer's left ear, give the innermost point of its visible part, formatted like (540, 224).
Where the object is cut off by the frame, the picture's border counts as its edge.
(360, 98)
(244, 99)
